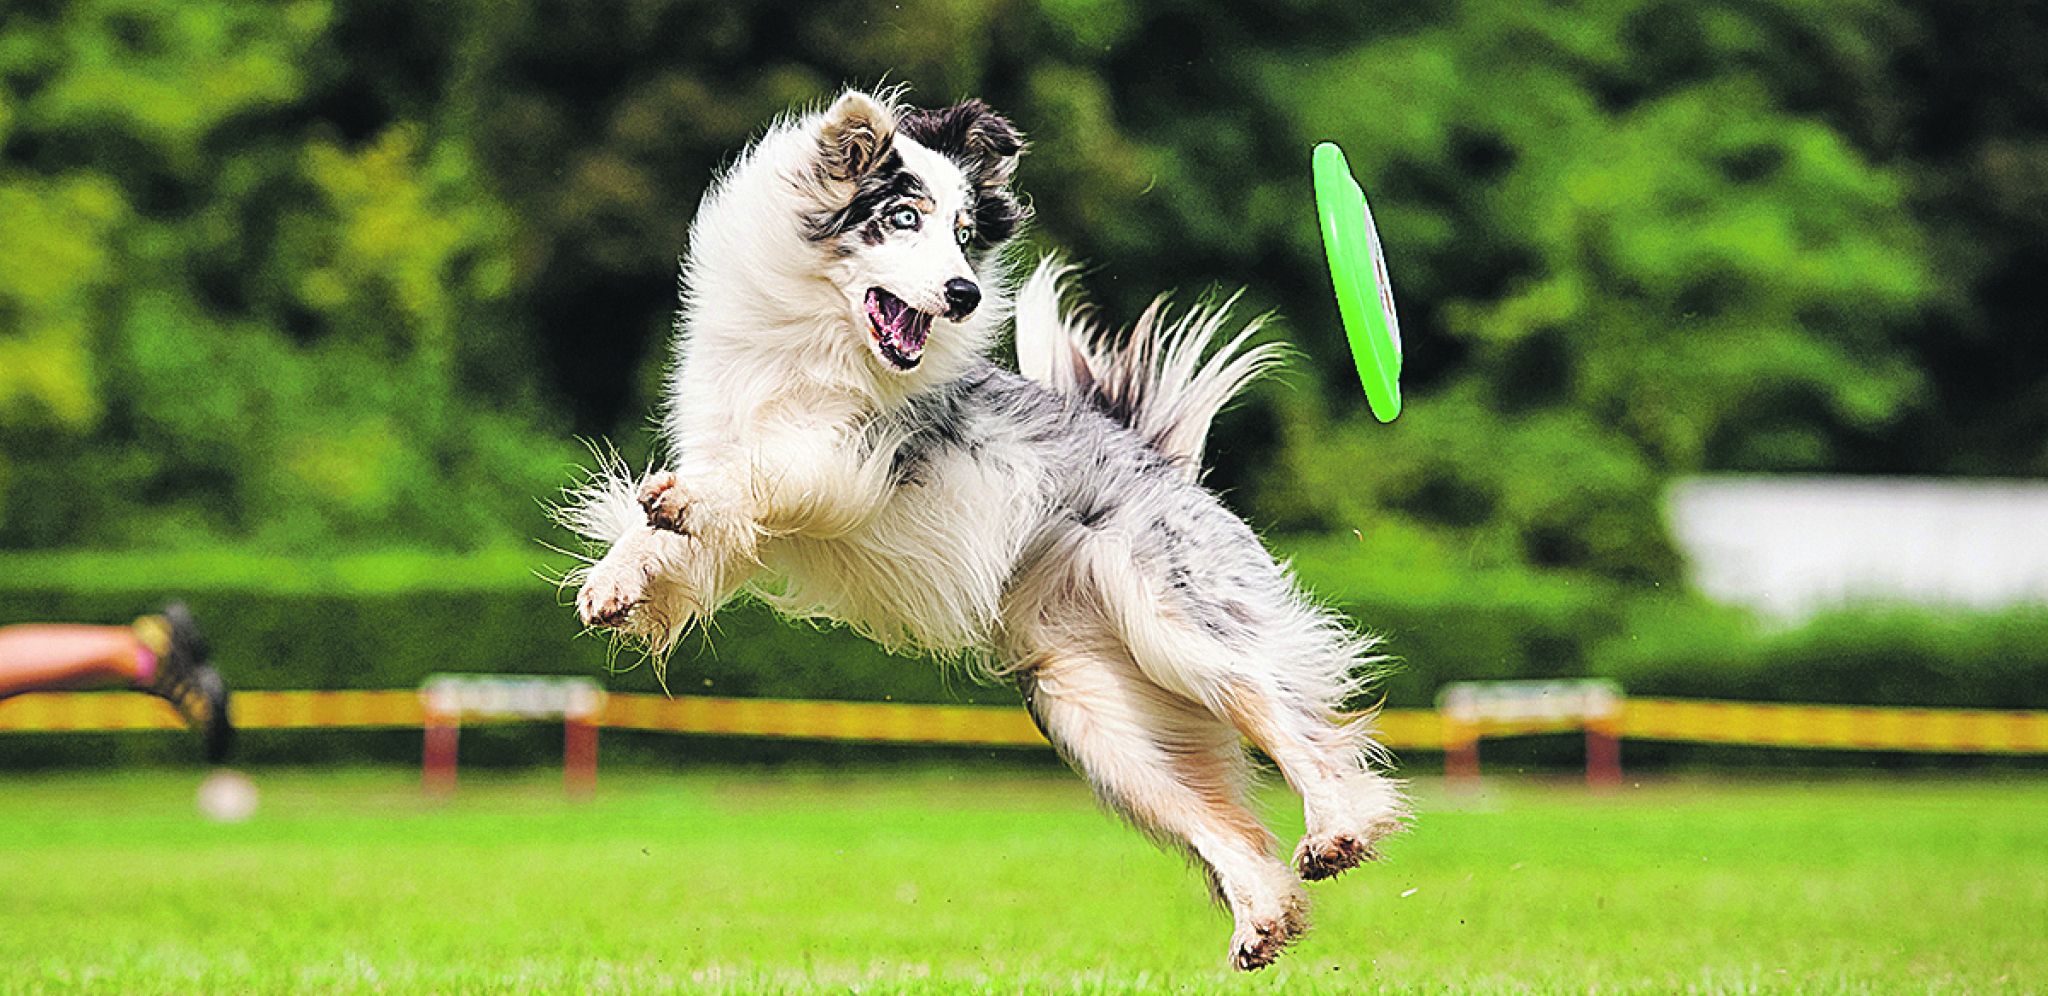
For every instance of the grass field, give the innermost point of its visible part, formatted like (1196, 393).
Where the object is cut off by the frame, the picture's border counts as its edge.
(963, 881)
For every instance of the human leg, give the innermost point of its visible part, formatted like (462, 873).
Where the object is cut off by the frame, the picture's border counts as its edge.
(39, 657)
(162, 654)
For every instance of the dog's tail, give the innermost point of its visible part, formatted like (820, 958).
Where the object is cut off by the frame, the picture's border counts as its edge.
(1164, 380)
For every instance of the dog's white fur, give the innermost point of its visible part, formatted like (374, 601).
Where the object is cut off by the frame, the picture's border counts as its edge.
(1052, 523)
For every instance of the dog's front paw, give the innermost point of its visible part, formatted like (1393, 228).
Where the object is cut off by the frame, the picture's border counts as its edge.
(663, 499)
(608, 596)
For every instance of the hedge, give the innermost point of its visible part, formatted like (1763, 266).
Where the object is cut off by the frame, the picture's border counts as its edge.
(1876, 655)
(388, 620)
(1440, 627)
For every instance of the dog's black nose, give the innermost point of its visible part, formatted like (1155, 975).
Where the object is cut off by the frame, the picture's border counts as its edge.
(961, 298)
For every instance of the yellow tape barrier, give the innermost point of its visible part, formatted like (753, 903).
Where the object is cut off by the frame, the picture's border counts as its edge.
(1841, 727)
(250, 710)
(1935, 730)
(826, 720)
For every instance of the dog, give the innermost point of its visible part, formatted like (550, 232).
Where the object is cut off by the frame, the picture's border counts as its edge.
(840, 446)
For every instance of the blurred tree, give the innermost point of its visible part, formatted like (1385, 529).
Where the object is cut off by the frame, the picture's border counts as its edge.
(313, 271)
(237, 322)
(54, 267)
(1630, 241)
(1965, 112)
(603, 123)
(1653, 256)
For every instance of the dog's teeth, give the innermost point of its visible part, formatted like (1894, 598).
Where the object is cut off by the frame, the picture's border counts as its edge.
(899, 329)
(916, 327)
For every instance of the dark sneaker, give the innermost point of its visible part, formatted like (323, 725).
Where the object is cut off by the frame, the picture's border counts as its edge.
(185, 679)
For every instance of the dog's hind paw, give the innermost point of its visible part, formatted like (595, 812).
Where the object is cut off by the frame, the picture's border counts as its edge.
(664, 501)
(1326, 856)
(1258, 944)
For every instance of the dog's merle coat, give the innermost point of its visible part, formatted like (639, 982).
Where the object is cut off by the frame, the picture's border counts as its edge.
(840, 446)
(986, 149)
(981, 144)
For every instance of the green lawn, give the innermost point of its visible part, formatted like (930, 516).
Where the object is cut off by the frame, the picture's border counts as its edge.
(963, 881)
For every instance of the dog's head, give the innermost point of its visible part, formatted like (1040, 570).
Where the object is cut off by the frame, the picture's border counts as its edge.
(912, 206)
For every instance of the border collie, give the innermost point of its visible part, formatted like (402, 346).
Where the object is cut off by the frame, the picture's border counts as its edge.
(840, 445)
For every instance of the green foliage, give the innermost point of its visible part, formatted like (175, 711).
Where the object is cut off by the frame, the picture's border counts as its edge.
(1441, 625)
(333, 275)
(1438, 625)
(228, 323)
(1966, 115)
(400, 241)
(1652, 261)
(387, 620)
(165, 77)
(1879, 657)
(1467, 489)
(54, 263)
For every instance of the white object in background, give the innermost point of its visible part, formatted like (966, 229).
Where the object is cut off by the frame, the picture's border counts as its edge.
(227, 796)
(1790, 547)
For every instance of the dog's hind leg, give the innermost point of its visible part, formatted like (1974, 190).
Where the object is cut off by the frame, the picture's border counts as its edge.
(1349, 807)
(1177, 772)
(1278, 671)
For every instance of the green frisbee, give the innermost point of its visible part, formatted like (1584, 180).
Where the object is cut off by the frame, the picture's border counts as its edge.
(1365, 298)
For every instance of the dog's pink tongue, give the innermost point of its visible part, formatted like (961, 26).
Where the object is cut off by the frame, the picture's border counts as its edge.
(901, 328)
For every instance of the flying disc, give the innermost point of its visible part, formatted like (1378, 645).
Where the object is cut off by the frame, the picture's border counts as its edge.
(1358, 268)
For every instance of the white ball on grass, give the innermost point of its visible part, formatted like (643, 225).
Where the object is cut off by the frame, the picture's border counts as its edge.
(227, 796)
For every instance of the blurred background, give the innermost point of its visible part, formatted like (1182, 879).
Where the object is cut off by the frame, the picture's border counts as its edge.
(305, 308)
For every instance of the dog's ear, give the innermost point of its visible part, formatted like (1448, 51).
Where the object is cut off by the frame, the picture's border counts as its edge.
(980, 140)
(854, 137)
(986, 146)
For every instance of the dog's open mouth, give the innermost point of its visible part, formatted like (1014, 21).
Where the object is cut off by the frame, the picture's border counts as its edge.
(899, 329)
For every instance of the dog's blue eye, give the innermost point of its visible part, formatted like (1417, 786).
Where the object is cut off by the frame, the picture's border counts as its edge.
(904, 218)
(962, 234)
